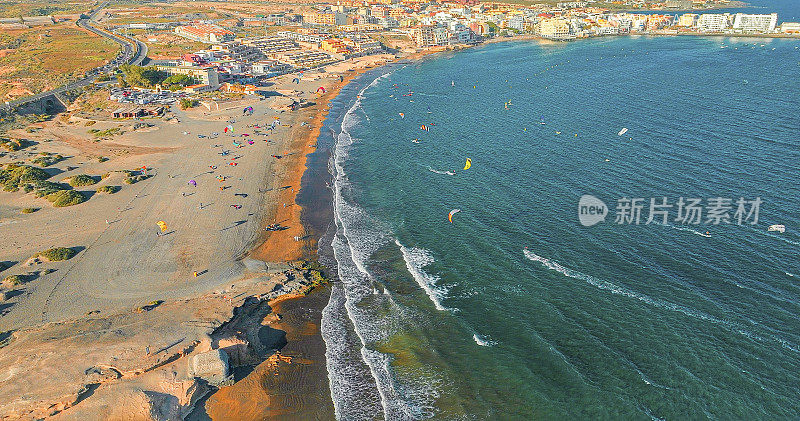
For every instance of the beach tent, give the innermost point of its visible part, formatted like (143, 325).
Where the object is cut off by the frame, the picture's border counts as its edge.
(321, 88)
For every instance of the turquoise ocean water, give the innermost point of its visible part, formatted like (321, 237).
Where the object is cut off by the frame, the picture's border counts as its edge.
(516, 310)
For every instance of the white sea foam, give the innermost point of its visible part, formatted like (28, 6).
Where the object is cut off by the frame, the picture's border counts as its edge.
(416, 259)
(358, 236)
(619, 290)
(441, 172)
(483, 340)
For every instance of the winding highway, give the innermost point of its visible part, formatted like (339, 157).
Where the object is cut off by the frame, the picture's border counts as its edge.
(133, 52)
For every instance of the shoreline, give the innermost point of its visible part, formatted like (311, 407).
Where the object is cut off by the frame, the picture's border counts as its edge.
(300, 364)
(531, 37)
(315, 214)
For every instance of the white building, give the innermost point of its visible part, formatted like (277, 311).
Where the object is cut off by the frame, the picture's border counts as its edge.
(711, 22)
(516, 22)
(687, 20)
(755, 23)
(790, 27)
(206, 75)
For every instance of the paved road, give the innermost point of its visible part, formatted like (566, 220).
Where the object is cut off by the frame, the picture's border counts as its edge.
(128, 56)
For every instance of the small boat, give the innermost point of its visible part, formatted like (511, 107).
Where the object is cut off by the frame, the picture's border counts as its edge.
(777, 227)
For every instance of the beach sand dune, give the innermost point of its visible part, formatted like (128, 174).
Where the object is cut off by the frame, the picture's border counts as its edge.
(118, 320)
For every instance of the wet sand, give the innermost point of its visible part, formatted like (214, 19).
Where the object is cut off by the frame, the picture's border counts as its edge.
(292, 384)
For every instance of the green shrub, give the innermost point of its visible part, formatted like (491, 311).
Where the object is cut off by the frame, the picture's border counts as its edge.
(108, 189)
(47, 160)
(102, 159)
(106, 133)
(133, 179)
(65, 198)
(13, 176)
(30, 210)
(14, 144)
(44, 188)
(13, 280)
(186, 103)
(57, 254)
(82, 180)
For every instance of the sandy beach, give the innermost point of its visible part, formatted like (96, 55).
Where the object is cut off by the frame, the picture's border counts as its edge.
(120, 319)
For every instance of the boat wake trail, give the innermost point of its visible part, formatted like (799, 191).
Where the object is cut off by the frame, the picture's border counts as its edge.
(663, 304)
(680, 228)
(441, 172)
(776, 237)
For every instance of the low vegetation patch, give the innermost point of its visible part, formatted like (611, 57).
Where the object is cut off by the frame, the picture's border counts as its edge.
(13, 280)
(187, 103)
(133, 177)
(149, 306)
(105, 133)
(108, 189)
(64, 198)
(29, 210)
(14, 144)
(80, 180)
(102, 159)
(57, 254)
(14, 176)
(47, 160)
(44, 188)
(313, 272)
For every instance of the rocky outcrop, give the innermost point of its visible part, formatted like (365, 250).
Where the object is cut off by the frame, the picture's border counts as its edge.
(212, 366)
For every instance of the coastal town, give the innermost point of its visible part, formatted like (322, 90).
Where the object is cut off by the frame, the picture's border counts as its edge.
(242, 49)
(153, 163)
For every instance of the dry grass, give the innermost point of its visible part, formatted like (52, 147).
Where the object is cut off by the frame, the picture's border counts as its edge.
(16, 8)
(166, 44)
(43, 58)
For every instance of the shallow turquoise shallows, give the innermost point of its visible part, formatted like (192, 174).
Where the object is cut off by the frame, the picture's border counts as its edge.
(517, 311)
